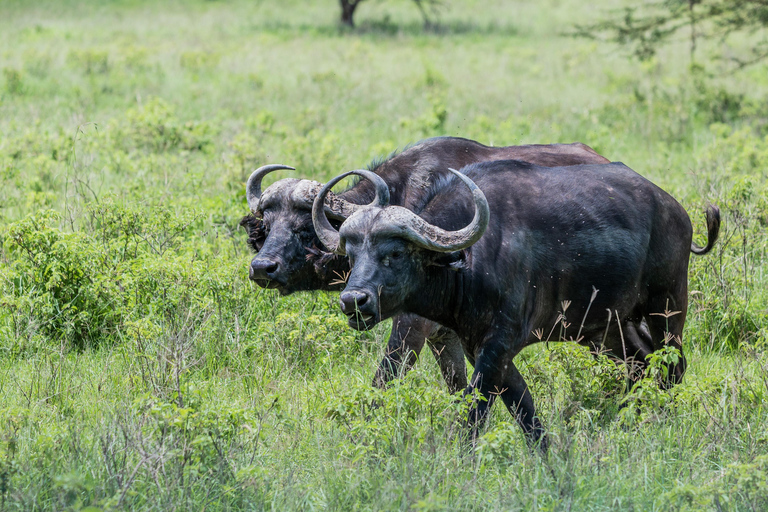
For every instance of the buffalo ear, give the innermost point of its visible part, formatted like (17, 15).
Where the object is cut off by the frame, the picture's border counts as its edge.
(255, 229)
(455, 260)
(250, 222)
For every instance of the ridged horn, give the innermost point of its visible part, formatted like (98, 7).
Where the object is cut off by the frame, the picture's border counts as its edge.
(253, 187)
(336, 207)
(406, 224)
(325, 231)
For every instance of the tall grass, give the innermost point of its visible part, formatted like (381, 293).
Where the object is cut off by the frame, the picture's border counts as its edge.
(139, 369)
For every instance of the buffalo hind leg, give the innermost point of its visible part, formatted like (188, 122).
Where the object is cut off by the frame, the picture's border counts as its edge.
(638, 348)
(447, 349)
(629, 344)
(666, 318)
(409, 332)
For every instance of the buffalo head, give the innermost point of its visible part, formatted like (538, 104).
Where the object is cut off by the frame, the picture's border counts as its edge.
(390, 249)
(280, 231)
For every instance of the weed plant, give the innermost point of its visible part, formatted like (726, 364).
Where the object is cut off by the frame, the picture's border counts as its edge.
(141, 370)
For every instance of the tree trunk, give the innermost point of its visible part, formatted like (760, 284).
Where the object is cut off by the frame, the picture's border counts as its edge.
(424, 15)
(348, 11)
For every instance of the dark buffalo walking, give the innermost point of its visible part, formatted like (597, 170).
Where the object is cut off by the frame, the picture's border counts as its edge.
(553, 235)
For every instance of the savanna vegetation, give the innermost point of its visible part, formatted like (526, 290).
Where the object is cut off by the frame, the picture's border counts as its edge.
(141, 370)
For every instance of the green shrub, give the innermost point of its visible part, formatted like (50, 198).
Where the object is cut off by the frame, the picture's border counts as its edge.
(135, 58)
(14, 83)
(590, 384)
(500, 444)
(198, 60)
(86, 289)
(647, 400)
(54, 283)
(37, 63)
(89, 61)
(155, 127)
(407, 415)
(432, 122)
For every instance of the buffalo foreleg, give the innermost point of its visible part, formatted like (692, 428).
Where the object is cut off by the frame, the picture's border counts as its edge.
(496, 375)
(446, 347)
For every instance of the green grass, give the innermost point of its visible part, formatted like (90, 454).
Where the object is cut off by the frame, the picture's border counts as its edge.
(139, 369)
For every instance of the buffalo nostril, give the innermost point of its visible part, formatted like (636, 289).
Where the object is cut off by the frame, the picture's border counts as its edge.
(352, 300)
(263, 268)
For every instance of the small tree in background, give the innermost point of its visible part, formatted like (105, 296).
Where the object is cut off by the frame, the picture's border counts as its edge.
(651, 25)
(348, 11)
(348, 8)
(425, 6)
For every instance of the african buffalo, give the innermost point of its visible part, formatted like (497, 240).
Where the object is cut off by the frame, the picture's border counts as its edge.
(599, 236)
(289, 257)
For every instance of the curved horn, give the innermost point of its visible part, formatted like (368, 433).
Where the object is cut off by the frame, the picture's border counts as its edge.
(253, 187)
(336, 207)
(406, 224)
(325, 231)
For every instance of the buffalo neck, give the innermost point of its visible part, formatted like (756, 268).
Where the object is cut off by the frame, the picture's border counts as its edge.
(333, 270)
(441, 299)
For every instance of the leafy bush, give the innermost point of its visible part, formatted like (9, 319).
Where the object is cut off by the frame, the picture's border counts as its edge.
(85, 289)
(53, 284)
(311, 338)
(406, 415)
(155, 127)
(591, 384)
(198, 60)
(89, 61)
(14, 83)
(432, 122)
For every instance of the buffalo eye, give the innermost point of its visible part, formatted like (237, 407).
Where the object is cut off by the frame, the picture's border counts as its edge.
(392, 256)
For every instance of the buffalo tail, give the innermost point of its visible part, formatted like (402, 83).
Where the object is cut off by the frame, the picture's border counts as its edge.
(713, 230)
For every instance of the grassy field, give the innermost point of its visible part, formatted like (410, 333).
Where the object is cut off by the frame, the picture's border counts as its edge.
(141, 370)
